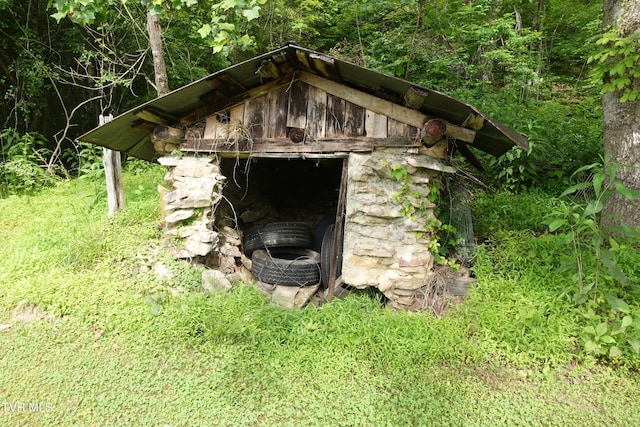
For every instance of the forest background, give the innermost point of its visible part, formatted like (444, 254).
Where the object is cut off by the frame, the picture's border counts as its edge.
(523, 62)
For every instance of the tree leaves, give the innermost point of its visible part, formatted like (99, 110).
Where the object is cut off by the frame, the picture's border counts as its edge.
(205, 30)
(225, 31)
(617, 64)
(251, 14)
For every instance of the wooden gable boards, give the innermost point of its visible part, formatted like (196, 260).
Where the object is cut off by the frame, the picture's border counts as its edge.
(327, 116)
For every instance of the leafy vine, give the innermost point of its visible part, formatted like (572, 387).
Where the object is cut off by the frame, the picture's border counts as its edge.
(617, 64)
(416, 205)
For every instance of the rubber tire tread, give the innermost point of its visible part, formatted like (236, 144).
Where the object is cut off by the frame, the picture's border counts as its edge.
(277, 235)
(325, 256)
(286, 266)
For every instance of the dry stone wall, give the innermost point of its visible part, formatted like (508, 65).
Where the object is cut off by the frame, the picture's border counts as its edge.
(195, 190)
(189, 206)
(384, 247)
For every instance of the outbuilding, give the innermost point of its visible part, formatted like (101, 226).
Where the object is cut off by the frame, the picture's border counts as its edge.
(295, 138)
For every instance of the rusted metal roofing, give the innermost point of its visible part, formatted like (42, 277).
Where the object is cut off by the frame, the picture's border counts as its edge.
(131, 131)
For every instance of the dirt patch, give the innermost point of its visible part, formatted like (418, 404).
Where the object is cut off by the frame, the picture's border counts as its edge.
(27, 313)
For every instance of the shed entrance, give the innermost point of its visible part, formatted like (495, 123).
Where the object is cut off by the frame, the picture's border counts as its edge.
(277, 203)
(264, 190)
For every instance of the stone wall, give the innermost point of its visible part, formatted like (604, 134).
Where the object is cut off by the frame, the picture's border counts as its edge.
(383, 246)
(189, 206)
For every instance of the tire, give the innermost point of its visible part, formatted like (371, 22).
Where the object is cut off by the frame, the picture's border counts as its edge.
(320, 229)
(277, 235)
(325, 256)
(286, 266)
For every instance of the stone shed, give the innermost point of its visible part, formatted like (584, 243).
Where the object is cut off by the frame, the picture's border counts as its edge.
(297, 136)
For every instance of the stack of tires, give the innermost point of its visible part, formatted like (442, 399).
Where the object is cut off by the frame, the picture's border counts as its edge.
(281, 254)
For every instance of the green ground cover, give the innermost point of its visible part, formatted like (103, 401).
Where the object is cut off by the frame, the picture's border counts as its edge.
(95, 337)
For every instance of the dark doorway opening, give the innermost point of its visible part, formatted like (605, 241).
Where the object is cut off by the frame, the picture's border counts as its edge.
(264, 190)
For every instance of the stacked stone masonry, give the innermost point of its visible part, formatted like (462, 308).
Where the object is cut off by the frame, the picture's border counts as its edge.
(189, 204)
(189, 208)
(384, 246)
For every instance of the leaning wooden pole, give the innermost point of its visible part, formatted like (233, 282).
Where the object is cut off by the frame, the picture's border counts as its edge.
(337, 236)
(113, 175)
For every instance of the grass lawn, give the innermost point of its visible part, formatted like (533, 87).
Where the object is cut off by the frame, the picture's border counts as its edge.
(92, 336)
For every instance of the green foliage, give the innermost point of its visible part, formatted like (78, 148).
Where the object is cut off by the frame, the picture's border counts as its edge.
(32, 54)
(563, 135)
(519, 272)
(136, 348)
(85, 160)
(617, 64)
(605, 266)
(225, 30)
(582, 222)
(612, 334)
(504, 211)
(23, 163)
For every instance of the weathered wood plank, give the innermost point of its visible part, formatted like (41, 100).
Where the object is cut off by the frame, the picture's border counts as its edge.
(150, 116)
(335, 116)
(113, 174)
(282, 61)
(211, 127)
(268, 70)
(400, 129)
(353, 120)
(473, 121)
(414, 98)
(297, 112)
(278, 106)
(285, 146)
(373, 103)
(375, 125)
(226, 84)
(255, 115)
(216, 104)
(458, 132)
(323, 65)
(302, 59)
(338, 235)
(236, 121)
(394, 111)
(270, 145)
(316, 113)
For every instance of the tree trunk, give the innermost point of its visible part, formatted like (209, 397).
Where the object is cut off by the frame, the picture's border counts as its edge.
(155, 41)
(622, 122)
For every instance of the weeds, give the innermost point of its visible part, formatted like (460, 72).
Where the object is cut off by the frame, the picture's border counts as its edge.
(601, 264)
(121, 347)
(23, 163)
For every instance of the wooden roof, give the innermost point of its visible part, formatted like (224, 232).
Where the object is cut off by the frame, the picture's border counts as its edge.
(236, 85)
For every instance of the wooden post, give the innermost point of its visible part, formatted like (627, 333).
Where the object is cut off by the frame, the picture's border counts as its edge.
(337, 236)
(113, 174)
(433, 131)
